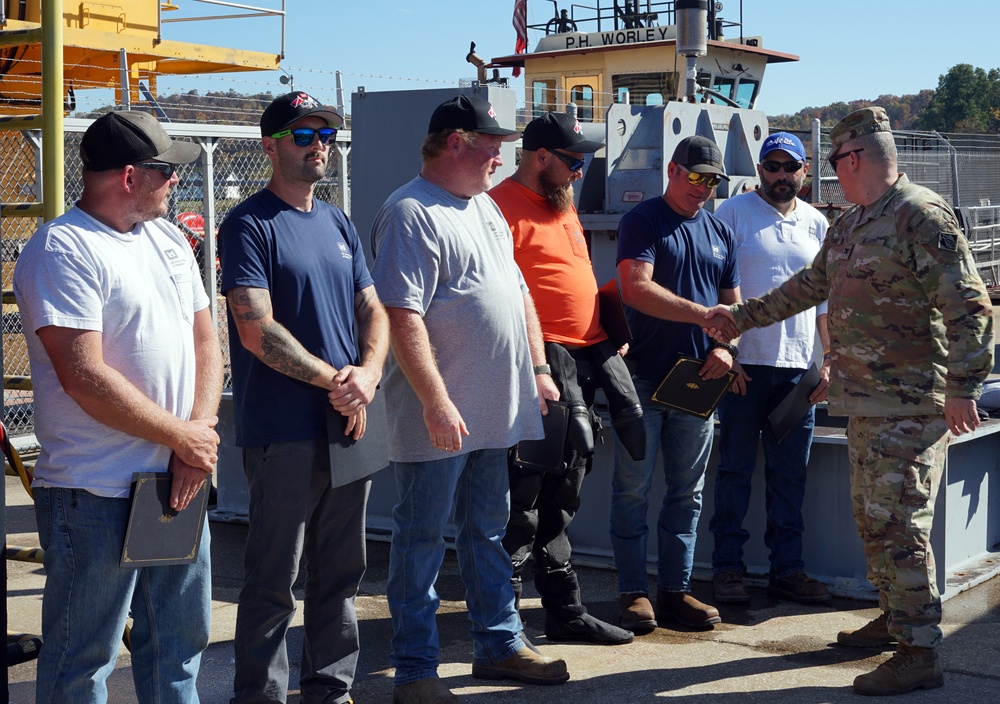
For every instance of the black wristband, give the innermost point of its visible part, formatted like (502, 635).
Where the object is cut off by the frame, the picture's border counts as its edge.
(732, 349)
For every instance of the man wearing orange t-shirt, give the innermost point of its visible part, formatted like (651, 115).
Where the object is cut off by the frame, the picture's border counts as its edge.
(550, 249)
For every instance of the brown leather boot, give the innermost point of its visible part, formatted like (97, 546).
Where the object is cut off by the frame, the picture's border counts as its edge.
(874, 634)
(799, 587)
(525, 665)
(730, 588)
(686, 610)
(909, 669)
(636, 613)
(430, 690)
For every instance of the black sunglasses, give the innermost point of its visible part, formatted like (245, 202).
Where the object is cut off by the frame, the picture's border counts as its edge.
(167, 170)
(572, 163)
(303, 136)
(774, 167)
(834, 159)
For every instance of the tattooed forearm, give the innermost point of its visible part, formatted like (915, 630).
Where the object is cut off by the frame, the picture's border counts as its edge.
(270, 341)
(285, 354)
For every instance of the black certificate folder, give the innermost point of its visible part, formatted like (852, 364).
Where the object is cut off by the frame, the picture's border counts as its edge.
(157, 534)
(546, 454)
(682, 389)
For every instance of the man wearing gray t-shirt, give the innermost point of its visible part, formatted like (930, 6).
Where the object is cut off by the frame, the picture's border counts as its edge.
(466, 380)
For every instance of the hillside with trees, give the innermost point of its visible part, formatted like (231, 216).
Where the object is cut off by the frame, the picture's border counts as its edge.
(967, 99)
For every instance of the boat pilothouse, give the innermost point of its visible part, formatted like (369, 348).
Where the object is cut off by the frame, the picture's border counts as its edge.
(639, 52)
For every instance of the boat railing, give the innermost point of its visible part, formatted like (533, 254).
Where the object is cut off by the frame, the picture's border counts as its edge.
(622, 14)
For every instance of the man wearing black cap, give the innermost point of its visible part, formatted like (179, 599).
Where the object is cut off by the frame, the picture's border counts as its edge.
(550, 250)
(674, 261)
(127, 374)
(296, 282)
(460, 390)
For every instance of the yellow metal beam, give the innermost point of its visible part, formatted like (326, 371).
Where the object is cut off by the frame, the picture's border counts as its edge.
(22, 122)
(21, 210)
(20, 37)
(53, 149)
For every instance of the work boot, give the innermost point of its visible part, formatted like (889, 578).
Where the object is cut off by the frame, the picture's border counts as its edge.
(874, 634)
(430, 690)
(730, 588)
(909, 669)
(585, 628)
(636, 613)
(686, 610)
(524, 666)
(799, 587)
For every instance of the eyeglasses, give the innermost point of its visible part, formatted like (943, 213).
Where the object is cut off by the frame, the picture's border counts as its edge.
(303, 136)
(774, 167)
(572, 163)
(707, 180)
(834, 159)
(167, 170)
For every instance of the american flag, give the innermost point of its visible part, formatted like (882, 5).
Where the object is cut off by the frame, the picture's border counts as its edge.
(521, 27)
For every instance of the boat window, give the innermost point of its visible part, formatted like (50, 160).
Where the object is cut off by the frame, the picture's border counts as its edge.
(746, 92)
(583, 96)
(543, 97)
(724, 86)
(645, 88)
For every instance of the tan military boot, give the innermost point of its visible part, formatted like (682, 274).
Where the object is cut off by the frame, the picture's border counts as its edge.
(874, 634)
(909, 669)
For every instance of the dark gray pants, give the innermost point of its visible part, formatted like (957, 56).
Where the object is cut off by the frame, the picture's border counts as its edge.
(294, 513)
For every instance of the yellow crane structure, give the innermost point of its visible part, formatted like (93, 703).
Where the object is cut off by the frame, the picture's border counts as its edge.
(50, 48)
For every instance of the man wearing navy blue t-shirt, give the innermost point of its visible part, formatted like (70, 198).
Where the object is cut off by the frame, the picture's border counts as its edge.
(674, 262)
(296, 282)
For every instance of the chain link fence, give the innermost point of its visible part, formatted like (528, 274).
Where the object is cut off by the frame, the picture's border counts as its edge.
(234, 166)
(963, 168)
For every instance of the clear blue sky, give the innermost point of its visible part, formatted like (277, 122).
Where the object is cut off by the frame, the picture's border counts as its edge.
(850, 49)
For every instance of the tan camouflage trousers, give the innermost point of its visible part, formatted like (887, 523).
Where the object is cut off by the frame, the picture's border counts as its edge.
(896, 467)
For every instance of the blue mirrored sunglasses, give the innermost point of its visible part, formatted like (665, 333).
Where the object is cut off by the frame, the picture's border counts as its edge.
(572, 163)
(303, 136)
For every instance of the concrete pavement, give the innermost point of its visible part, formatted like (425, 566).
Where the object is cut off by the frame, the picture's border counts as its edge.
(771, 652)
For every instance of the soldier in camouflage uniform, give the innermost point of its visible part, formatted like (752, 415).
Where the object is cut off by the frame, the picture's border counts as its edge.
(911, 329)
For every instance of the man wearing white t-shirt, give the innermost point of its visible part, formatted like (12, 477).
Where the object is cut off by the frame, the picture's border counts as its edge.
(776, 235)
(127, 375)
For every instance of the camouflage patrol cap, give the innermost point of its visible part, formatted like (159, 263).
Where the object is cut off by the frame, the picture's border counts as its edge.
(858, 123)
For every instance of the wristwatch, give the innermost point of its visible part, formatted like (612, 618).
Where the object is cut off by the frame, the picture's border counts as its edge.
(543, 369)
(732, 349)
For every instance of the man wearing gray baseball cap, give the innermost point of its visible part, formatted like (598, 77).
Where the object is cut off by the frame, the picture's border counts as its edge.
(127, 374)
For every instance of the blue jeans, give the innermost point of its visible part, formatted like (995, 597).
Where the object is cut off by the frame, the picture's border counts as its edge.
(743, 421)
(476, 483)
(87, 600)
(686, 442)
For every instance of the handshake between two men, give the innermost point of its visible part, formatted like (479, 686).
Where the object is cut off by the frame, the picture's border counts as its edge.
(720, 324)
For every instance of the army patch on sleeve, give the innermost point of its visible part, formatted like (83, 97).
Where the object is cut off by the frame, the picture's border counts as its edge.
(948, 241)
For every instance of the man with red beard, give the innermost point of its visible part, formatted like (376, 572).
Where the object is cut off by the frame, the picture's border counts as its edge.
(550, 250)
